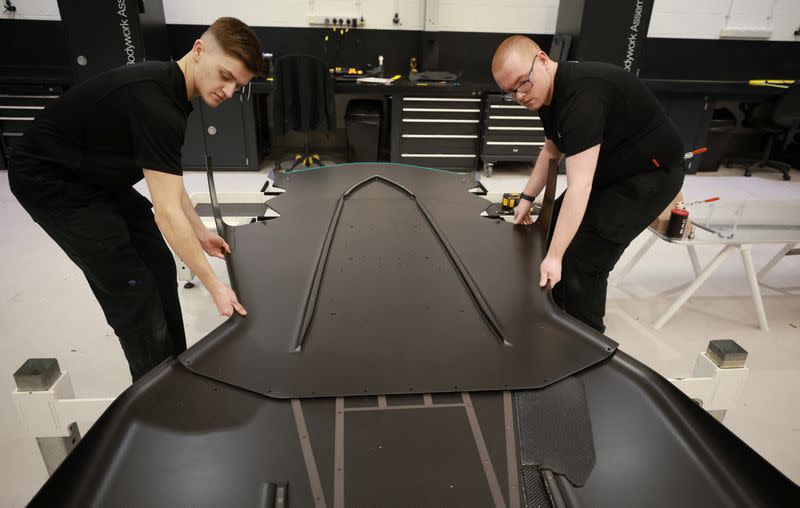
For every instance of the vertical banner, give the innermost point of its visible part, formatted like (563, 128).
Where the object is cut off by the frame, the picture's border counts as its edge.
(612, 31)
(103, 34)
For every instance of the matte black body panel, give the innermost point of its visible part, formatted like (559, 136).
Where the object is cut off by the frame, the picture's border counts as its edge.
(181, 438)
(392, 312)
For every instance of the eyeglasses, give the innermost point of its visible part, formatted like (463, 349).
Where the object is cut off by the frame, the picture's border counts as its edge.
(523, 87)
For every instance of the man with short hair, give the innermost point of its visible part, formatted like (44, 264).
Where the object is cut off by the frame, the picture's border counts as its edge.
(74, 169)
(624, 161)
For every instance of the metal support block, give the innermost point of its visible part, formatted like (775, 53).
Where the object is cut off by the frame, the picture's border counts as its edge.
(718, 377)
(40, 383)
(726, 353)
(37, 374)
(55, 449)
(40, 375)
(47, 406)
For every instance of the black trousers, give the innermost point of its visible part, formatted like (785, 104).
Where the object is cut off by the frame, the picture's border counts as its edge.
(130, 269)
(615, 215)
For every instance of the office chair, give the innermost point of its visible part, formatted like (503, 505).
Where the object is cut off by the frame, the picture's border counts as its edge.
(780, 117)
(303, 102)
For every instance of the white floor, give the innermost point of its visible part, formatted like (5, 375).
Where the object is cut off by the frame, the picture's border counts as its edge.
(49, 311)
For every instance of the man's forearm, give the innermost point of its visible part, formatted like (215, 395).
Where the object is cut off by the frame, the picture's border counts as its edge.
(538, 177)
(178, 231)
(569, 219)
(191, 214)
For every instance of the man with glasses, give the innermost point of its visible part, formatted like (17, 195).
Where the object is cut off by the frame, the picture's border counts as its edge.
(624, 162)
(74, 169)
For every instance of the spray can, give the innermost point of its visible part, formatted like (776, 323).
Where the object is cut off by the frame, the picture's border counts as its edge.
(677, 221)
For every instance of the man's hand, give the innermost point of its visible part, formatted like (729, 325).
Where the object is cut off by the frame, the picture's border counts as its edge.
(551, 271)
(168, 195)
(522, 213)
(214, 245)
(226, 300)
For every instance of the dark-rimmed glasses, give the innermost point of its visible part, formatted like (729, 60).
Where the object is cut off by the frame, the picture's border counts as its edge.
(523, 87)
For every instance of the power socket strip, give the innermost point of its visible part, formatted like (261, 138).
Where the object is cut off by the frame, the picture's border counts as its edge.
(337, 21)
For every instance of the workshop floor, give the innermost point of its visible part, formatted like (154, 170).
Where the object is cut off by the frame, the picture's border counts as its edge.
(48, 311)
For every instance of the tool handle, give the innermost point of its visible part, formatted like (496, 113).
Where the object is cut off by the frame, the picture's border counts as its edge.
(689, 155)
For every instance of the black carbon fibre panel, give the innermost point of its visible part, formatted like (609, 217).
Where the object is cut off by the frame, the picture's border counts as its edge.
(536, 495)
(180, 438)
(555, 431)
(385, 279)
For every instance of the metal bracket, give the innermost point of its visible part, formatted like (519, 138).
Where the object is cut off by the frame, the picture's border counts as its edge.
(48, 409)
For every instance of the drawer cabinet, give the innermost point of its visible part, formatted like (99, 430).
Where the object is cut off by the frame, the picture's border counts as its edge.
(440, 132)
(18, 109)
(510, 133)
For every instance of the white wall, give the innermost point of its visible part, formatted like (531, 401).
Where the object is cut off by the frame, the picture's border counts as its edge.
(527, 16)
(690, 19)
(706, 19)
(33, 9)
(504, 16)
(294, 13)
(290, 13)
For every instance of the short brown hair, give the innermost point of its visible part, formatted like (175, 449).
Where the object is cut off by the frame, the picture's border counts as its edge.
(239, 41)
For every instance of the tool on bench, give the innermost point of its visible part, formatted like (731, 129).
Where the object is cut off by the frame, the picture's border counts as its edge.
(700, 201)
(511, 200)
(686, 156)
(679, 217)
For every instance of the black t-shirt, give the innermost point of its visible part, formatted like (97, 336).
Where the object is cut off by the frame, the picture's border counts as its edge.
(596, 103)
(99, 135)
